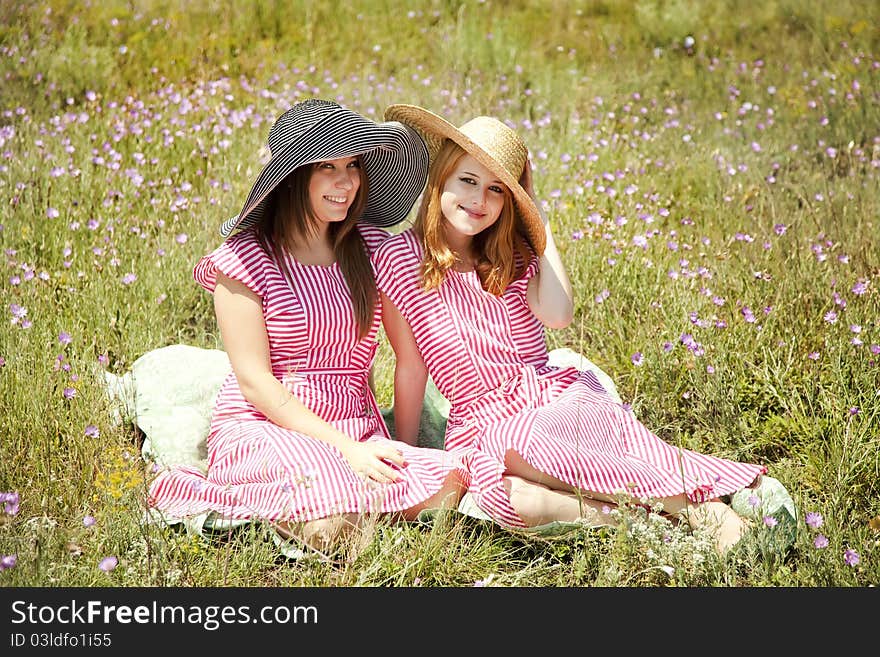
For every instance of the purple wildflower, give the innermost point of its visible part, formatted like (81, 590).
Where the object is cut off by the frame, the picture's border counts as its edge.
(851, 557)
(18, 312)
(108, 563)
(10, 502)
(8, 561)
(88, 521)
(64, 338)
(637, 359)
(770, 521)
(820, 542)
(814, 519)
(92, 431)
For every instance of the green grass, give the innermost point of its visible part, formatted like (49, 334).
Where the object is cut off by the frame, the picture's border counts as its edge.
(148, 118)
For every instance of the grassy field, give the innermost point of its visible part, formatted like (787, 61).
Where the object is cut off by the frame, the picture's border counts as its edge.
(712, 172)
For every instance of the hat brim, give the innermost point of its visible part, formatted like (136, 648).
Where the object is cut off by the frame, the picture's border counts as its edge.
(395, 161)
(434, 130)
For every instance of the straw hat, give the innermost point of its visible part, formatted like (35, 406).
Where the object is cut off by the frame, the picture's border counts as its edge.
(494, 145)
(395, 160)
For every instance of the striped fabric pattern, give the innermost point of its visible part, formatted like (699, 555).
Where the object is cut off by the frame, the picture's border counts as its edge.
(487, 356)
(394, 156)
(258, 470)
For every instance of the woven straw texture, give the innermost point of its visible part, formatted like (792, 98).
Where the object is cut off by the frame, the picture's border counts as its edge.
(493, 144)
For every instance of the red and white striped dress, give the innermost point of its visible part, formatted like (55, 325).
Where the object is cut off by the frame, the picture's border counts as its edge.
(487, 356)
(259, 470)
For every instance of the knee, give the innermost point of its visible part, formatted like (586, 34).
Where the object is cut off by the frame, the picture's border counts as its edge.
(526, 497)
(450, 492)
(455, 484)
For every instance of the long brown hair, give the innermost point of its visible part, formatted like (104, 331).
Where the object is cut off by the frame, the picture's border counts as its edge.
(496, 246)
(290, 217)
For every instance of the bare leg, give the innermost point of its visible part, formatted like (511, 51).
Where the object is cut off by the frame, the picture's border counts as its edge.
(517, 466)
(539, 498)
(538, 504)
(446, 498)
(728, 526)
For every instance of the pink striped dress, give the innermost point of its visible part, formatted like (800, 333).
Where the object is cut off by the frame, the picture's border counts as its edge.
(487, 356)
(259, 470)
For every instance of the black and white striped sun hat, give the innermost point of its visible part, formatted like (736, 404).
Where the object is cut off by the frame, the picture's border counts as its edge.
(395, 159)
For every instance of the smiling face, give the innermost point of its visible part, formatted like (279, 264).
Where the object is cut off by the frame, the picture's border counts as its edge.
(333, 187)
(471, 198)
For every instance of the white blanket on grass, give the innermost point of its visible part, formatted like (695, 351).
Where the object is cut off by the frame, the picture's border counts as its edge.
(169, 394)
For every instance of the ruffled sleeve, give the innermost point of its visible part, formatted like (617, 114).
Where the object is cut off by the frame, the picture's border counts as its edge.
(241, 257)
(396, 267)
(373, 236)
(521, 284)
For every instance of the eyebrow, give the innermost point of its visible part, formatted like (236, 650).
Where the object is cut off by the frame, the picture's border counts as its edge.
(476, 175)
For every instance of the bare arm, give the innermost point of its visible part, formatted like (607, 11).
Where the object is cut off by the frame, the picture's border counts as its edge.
(549, 292)
(242, 326)
(410, 373)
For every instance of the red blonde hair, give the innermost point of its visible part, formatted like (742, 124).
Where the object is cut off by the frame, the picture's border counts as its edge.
(496, 246)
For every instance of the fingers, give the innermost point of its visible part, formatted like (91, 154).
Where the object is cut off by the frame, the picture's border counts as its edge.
(380, 463)
(379, 473)
(394, 456)
(386, 475)
(388, 467)
(526, 176)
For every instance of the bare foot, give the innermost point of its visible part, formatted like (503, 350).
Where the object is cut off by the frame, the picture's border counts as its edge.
(726, 524)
